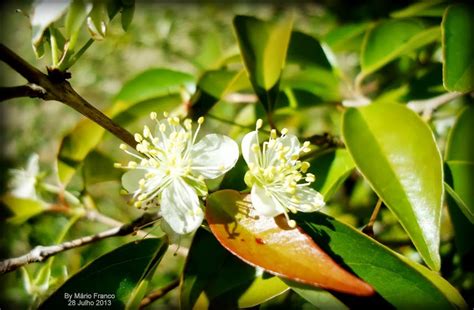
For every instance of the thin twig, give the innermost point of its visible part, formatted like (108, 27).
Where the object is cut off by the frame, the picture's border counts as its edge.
(28, 90)
(40, 253)
(426, 107)
(57, 88)
(369, 228)
(157, 294)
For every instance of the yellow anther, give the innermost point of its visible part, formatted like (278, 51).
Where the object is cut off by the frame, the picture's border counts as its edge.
(310, 178)
(292, 223)
(284, 131)
(306, 150)
(259, 123)
(155, 140)
(138, 137)
(162, 127)
(255, 148)
(188, 124)
(165, 114)
(146, 132)
(123, 146)
(138, 204)
(123, 192)
(132, 164)
(306, 144)
(142, 182)
(294, 157)
(273, 134)
(201, 120)
(153, 115)
(117, 165)
(304, 166)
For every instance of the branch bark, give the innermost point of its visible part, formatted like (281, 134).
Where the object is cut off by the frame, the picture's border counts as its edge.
(28, 90)
(154, 295)
(40, 253)
(57, 88)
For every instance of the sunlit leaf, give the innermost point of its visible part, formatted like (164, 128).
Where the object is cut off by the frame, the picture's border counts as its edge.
(403, 283)
(97, 20)
(458, 48)
(393, 38)
(433, 8)
(317, 297)
(260, 241)
(22, 208)
(222, 279)
(263, 47)
(98, 167)
(403, 168)
(116, 273)
(76, 16)
(346, 37)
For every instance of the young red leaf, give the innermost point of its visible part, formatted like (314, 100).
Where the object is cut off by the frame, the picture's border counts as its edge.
(272, 245)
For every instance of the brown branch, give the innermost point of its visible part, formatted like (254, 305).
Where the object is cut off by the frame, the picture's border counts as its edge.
(154, 295)
(57, 88)
(40, 253)
(28, 90)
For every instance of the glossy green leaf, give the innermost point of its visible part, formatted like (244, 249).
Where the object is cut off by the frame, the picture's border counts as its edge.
(403, 168)
(213, 86)
(306, 50)
(401, 282)
(263, 46)
(116, 273)
(458, 48)
(331, 169)
(319, 298)
(222, 279)
(44, 14)
(22, 208)
(346, 37)
(147, 90)
(76, 16)
(269, 244)
(392, 38)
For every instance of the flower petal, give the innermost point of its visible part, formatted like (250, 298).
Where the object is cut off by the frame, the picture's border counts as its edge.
(180, 207)
(214, 155)
(247, 142)
(311, 200)
(290, 141)
(131, 178)
(264, 203)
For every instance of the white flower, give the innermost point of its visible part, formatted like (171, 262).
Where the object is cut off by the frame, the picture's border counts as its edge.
(275, 174)
(171, 168)
(23, 181)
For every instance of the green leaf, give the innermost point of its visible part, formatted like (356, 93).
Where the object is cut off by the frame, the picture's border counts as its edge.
(263, 46)
(222, 278)
(149, 89)
(269, 244)
(397, 153)
(331, 169)
(403, 283)
(98, 167)
(458, 48)
(98, 20)
(76, 16)
(460, 162)
(392, 38)
(22, 208)
(127, 15)
(346, 37)
(307, 51)
(44, 14)
(317, 297)
(116, 273)
(213, 86)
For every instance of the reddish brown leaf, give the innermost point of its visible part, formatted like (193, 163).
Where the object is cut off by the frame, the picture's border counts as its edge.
(270, 244)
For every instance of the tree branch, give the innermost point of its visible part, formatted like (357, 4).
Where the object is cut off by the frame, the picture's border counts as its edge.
(28, 90)
(40, 253)
(57, 88)
(154, 295)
